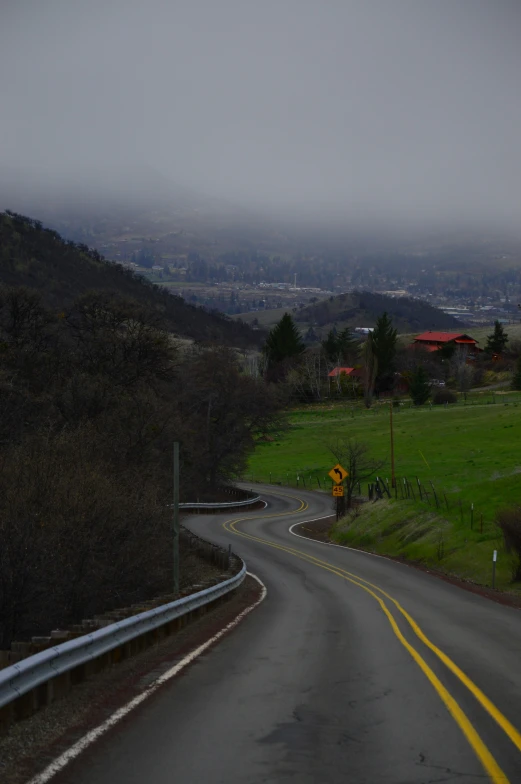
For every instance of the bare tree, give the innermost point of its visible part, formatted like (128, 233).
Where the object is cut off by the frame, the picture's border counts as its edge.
(306, 379)
(509, 522)
(463, 372)
(353, 455)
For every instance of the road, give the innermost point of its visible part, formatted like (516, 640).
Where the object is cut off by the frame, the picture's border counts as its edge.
(328, 680)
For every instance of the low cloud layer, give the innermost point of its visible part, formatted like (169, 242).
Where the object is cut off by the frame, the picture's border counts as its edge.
(400, 110)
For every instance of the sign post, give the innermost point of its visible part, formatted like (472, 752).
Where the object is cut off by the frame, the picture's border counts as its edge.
(393, 480)
(338, 474)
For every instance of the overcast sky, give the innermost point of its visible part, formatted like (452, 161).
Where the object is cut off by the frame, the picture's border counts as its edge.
(392, 109)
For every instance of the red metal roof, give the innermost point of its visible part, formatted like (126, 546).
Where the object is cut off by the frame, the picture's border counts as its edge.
(444, 337)
(465, 340)
(339, 370)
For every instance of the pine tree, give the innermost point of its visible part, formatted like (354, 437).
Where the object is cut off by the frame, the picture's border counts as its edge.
(419, 388)
(497, 341)
(384, 348)
(348, 345)
(331, 347)
(284, 341)
(516, 380)
(370, 370)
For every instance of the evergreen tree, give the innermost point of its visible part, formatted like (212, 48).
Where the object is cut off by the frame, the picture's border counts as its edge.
(348, 346)
(419, 388)
(497, 341)
(370, 370)
(341, 348)
(283, 342)
(384, 348)
(331, 347)
(516, 380)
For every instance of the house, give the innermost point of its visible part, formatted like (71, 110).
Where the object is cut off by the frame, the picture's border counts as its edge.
(433, 341)
(344, 371)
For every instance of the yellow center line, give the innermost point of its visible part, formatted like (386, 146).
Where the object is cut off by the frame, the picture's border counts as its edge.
(508, 728)
(480, 749)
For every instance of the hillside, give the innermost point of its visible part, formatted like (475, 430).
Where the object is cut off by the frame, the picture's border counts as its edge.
(61, 270)
(361, 309)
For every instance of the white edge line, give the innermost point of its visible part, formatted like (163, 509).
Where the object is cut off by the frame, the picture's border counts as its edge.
(332, 544)
(60, 762)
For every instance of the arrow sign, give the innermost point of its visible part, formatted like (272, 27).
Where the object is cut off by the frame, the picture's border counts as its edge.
(338, 474)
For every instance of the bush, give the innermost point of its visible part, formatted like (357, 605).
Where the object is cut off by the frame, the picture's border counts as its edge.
(509, 521)
(442, 396)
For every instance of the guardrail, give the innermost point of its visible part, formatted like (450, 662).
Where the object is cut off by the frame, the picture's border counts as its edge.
(31, 675)
(221, 505)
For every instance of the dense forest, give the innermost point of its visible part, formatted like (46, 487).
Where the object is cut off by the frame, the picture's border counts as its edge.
(61, 270)
(92, 398)
(94, 390)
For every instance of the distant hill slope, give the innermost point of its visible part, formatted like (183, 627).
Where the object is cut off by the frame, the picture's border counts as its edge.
(361, 309)
(31, 255)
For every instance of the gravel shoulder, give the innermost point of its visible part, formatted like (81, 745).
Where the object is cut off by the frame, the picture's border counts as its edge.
(31, 745)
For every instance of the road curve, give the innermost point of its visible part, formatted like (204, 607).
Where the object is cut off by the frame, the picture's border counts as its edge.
(354, 669)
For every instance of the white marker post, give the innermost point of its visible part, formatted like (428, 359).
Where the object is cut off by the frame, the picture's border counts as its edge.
(494, 559)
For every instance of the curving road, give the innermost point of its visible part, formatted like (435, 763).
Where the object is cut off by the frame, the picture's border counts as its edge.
(354, 669)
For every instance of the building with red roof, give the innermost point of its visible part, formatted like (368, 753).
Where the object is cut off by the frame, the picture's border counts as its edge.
(433, 341)
(344, 371)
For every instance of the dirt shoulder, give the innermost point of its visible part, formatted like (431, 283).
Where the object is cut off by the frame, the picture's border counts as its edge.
(319, 530)
(31, 745)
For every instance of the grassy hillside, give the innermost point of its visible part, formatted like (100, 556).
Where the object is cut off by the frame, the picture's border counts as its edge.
(361, 309)
(61, 270)
(403, 530)
(469, 452)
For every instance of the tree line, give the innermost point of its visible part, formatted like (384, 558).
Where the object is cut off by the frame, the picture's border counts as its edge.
(92, 397)
(381, 365)
(61, 270)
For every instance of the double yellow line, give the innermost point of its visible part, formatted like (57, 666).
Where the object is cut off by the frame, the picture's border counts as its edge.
(480, 749)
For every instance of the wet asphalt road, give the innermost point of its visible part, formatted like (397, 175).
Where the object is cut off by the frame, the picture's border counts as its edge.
(327, 682)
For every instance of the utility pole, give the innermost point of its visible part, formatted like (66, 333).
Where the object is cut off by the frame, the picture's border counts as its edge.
(393, 480)
(176, 518)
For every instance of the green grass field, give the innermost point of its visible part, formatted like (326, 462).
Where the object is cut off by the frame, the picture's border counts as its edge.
(471, 453)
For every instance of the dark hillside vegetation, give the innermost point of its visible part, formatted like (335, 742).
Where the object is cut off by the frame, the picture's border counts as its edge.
(362, 309)
(92, 397)
(62, 270)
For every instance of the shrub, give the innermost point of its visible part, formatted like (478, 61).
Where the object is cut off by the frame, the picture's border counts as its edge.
(509, 521)
(442, 396)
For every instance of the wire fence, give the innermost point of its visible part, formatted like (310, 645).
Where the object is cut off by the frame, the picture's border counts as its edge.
(424, 492)
(435, 497)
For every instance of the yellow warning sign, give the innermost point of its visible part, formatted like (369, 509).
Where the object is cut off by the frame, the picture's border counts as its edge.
(338, 474)
(338, 490)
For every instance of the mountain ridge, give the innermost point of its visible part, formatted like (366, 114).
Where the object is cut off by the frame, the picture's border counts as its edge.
(61, 270)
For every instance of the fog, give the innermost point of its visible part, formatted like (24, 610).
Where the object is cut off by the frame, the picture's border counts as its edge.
(373, 112)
